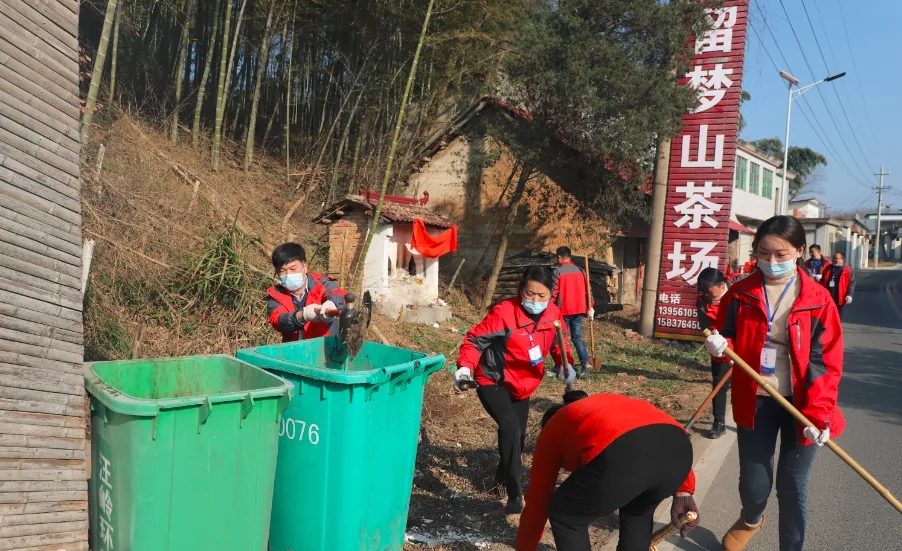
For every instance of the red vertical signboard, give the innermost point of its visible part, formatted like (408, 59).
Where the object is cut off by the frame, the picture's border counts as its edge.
(700, 182)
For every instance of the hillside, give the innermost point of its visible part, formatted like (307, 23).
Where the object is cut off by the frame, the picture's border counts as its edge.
(181, 270)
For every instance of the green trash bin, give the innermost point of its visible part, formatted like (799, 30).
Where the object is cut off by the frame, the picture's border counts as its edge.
(347, 444)
(183, 453)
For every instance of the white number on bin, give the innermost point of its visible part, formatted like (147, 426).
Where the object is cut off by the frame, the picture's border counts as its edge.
(299, 430)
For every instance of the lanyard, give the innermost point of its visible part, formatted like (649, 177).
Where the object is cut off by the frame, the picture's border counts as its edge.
(770, 317)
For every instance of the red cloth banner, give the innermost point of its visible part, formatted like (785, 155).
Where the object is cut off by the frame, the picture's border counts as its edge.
(433, 247)
(700, 181)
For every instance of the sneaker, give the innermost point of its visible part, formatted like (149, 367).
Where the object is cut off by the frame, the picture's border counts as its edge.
(554, 372)
(514, 506)
(585, 371)
(739, 536)
(717, 430)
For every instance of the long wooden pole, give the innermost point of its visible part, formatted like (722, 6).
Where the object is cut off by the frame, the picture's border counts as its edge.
(589, 304)
(834, 447)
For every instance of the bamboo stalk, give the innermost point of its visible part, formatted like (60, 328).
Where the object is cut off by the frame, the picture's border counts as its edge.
(202, 88)
(97, 73)
(112, 97)
(180, 72)
(255, 102)
(394, 146)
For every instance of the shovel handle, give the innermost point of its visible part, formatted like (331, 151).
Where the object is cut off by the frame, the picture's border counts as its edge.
(800, 417)
(670, 529)
(562, 344)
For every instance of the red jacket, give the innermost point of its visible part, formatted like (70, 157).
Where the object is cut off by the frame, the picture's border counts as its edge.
(707, 318)
(846, 284)
(816, 351)
(497, 349)
(574, 436)
(281, 308)
(570, 294)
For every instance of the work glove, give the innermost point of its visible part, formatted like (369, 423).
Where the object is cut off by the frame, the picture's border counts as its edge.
(679, 508)
(818, 437)
(328, 305)
(848, 300)
(567, 374)
(716, 345)
(311, 311)
(591, 313)
(463, 375)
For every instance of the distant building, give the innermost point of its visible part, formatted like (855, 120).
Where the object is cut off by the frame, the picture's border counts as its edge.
(808, 208)
(756, 197)
(847, 235)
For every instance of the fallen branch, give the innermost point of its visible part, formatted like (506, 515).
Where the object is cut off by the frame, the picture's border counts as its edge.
(379, 334)
(128, 250)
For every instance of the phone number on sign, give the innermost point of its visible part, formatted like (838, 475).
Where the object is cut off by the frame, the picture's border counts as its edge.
(679, 324)
(677, 311)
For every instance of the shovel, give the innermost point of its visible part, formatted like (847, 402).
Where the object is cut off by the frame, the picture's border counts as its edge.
(595, 361)
(565, 366)
(353, 322)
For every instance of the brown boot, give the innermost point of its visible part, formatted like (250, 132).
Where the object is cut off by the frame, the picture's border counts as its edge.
(739, 536)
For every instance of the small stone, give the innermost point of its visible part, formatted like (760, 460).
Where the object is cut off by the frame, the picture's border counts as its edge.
(622, 374)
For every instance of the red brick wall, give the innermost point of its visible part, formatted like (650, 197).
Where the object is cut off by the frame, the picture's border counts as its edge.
(355, 225)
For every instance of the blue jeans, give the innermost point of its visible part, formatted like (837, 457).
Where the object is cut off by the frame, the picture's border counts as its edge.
(756, 471)
(575, 327)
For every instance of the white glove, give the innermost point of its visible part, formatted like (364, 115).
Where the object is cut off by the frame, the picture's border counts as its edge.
(819, 438)
(311, 312)
(328, 305)
(848, 300)
(716, 345)
(567, 374)
(817, 277)
(461, 375)
(591, 313)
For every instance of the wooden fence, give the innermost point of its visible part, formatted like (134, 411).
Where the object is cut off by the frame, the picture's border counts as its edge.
(43, 481)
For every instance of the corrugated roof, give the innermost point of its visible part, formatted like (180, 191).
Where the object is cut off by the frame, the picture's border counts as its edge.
(391, 211)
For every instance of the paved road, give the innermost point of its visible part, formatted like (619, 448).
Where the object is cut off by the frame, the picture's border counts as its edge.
(845, 513)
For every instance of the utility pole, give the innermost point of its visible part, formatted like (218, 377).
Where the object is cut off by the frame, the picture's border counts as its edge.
(655, 241)
(878, 241)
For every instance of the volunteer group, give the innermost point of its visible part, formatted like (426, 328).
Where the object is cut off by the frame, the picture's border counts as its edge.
(780, 315)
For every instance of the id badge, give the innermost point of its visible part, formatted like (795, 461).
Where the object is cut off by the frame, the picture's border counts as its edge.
(535, 355)
(832, 283)
(768, 360)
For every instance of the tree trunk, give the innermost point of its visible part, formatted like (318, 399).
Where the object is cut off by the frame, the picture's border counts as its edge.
(358, 280)
(255, 102)
(97, 73)
(201, 90)
(288, 100)
(112, 97)
(508, 226)
(353, 178)
(343, 143)
(220, 88)
(180, 71)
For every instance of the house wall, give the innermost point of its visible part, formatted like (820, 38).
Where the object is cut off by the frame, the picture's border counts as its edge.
(750, 198)
(753, 206)
(807, 210)
(43, 473)
(354, 224)
(463, 190)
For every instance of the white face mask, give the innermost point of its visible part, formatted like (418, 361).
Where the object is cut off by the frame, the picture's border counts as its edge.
(293, 282)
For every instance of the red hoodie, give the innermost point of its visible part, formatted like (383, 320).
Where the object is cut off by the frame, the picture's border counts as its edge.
(574, 436)
(570, 290)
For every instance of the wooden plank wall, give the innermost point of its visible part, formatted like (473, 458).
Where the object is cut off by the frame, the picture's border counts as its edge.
(43, 483)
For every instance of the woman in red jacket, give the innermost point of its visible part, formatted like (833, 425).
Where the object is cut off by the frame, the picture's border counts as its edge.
(504, 355)
(839, 281)
(786, 327)
(624, 454)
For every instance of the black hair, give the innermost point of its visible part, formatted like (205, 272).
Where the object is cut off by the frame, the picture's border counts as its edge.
(710, 277)
(539, 274)
(287, 252)
(841, 255)
(569, 398)
(564, 252)
(817, 247)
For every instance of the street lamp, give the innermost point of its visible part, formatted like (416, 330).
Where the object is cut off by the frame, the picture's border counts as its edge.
(793, 81)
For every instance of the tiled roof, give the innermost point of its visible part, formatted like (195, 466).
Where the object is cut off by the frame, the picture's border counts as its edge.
(391, 211)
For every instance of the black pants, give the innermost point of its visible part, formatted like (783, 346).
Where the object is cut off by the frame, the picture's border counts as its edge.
(718, 371)
(634, 474)
(511, 416)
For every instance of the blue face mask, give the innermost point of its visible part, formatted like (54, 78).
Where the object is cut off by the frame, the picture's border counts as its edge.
(534, 307)
(292, 282)
(777, 269)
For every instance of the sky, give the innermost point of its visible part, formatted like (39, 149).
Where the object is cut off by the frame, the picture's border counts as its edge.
(853, 121)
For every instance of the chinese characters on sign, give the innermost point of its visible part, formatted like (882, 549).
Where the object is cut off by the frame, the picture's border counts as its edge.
(105, 503)
(700, 181)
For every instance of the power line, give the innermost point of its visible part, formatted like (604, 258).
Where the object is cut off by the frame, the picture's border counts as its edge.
(820, 135)
(819, 92)
(842, 17)
(842, 105)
